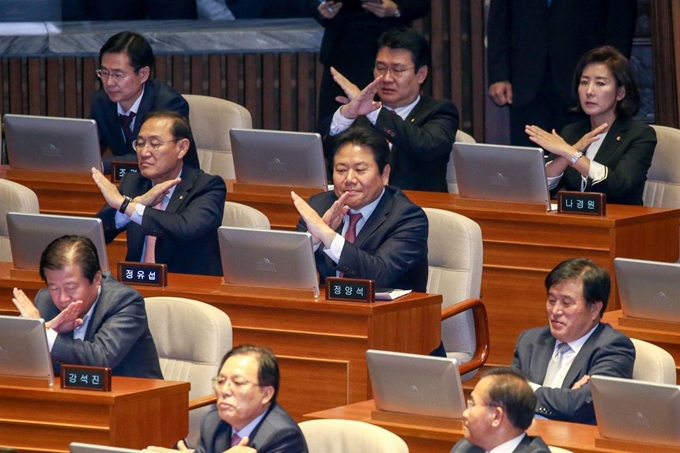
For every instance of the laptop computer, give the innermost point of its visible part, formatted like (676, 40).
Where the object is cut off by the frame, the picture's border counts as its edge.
(23, 348)
(270, 258)
(415, 384)
(501, 173)
(648, 289)
(44, 143)
(637, 411)
(278, 158)
(78, 447)
(30, 234)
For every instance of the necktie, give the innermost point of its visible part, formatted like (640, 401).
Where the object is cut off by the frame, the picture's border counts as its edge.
(150, 241)
(555, 365)
(125, 122)
(235, 439)
(351, 233)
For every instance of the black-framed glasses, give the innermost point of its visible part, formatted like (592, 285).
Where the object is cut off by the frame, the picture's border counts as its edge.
(116, 76)
(396, 72)
(139, 145)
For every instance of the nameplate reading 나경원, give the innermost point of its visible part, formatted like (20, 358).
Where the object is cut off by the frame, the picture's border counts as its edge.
(589, 203)
(121, 168)
(86, 378)
(149, 274)
(350, 289)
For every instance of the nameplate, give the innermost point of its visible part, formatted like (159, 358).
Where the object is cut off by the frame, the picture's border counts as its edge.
(588, 203)
(350, 289)
(121, 168)
(86, 378)
(148, 274)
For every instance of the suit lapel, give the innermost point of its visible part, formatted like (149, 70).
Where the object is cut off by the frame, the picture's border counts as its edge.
(581, 358)
(611, 142)
(145, 105)
(376, 219)
(545, 352)
(183, 188)
(117, 140)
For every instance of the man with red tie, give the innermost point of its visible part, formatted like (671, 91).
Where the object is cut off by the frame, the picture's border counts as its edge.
(169, 210)
(365, 228)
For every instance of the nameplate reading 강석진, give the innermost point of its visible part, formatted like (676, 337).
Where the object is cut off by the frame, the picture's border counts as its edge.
(588, 203)
(86, 378)
(149, 274)
(121, 168)
(350, 289)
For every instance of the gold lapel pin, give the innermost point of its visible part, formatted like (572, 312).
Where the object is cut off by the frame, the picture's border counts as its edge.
(618, 138)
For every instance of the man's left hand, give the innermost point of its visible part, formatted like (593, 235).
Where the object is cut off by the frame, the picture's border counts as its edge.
(385, 9)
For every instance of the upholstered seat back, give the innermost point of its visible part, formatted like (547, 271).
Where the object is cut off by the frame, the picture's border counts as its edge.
(653, 364)
(455, 271)
(211, 120)
(461, 137)
(240, 215)
(662, 188)
(191, 338)
(13, 198)
(344, 436)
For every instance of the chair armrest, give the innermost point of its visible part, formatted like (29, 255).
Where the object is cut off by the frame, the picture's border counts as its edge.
(481, 322)
(202, 401)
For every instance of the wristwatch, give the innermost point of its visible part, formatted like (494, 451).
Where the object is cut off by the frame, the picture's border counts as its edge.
(575, 158)
(124, 204)
(397, 13)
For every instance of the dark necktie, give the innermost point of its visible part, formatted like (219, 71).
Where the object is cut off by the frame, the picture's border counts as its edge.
(351, 233)
(125, 122)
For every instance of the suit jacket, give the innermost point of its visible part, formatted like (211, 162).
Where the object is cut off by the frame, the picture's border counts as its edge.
(607, 352)
(186, 231)
(421, 144)
(627, 153)
(527, 445)
(117, 336)
(526, 36)
(157, 96)
(276, 433)
(391, 247)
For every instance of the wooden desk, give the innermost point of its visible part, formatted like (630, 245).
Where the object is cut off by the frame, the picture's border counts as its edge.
(320, 344)
(424, 438)
(136, 413)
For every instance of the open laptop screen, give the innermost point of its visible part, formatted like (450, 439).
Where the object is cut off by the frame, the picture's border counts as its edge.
(23, 348)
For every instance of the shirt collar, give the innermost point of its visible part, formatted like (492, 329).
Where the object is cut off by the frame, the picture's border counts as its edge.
(509, 446)
(248, 429)
(405, 110)
(577, 344)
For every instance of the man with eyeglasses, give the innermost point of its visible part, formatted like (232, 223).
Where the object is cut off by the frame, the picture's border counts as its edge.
(247, 417)
(170, 211)
(499, 411)
(419, 129)
(128, 93)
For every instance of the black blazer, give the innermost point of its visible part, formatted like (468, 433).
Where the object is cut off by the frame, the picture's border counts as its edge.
(627, 153)
(157, 96)
(525, 36)
(391, 248)
(186, 231)
(527, 445)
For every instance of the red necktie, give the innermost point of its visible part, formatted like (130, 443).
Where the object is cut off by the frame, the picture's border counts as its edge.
(150, 241)
(351, 233)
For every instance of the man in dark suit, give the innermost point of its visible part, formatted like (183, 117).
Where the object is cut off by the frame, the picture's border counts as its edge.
(91, 318)
(420, 130)
(129, 93)
(170, 211)
(560, 358)
(363, 228)
(533, 48)
(247, 417)
(499, 411)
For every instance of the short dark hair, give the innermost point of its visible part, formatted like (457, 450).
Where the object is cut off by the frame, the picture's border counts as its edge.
(66, 250)
(622, 72)
(268, 373)
(408, 39)
(363, 136)
(180, 124)
(596, 281)
(510, 390)
(134, 45)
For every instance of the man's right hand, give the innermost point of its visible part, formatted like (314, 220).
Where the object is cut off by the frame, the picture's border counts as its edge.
(357, 102)
(68, 319)
(156, 193)
(501, 93)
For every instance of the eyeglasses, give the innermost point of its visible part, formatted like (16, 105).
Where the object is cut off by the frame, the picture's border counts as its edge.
(471, 404)
(115, 76)
(234, 383)
(397, 73)
(139, 145)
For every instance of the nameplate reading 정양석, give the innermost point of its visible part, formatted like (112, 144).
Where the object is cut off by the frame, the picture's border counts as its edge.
(350, 289)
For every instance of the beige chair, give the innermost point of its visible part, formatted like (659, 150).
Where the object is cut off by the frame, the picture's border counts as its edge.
(240, 215)
(653, 364)
(455, 271)
(211, 120)
(350, 436)
(662, 188)
(13, 198)
(191, 338)
(461, 137)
